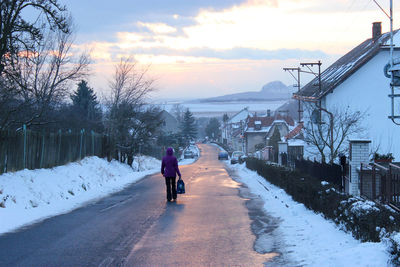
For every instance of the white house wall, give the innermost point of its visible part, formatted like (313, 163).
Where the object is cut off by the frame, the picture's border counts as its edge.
(367, 91)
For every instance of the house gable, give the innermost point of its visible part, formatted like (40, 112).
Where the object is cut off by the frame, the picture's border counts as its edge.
(240, 116)
(343, 68)
(169, 124)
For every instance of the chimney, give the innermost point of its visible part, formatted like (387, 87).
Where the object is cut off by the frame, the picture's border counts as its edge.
(268, 112)
(376, 31)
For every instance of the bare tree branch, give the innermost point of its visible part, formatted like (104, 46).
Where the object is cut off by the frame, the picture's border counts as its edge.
(317, 134)
(126, 119)
(38, 79)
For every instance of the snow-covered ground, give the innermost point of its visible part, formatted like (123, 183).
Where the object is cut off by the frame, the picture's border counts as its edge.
(29, 196)
(308, 238)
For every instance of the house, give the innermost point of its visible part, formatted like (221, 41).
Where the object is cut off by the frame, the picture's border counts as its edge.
(292, 148)
(237, 139)
(170, 124)
(259, 129)
(232, 130)
(356, 83)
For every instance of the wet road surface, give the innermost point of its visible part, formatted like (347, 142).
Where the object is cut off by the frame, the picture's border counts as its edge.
(211, 225)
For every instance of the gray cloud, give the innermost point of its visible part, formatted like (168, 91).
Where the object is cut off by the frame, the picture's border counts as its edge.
(105, 16)
(232, 54)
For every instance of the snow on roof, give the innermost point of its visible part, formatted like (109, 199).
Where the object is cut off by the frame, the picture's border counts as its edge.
(268, 121)
(240, 116)
(257, 122)
(296, 142)
(396, 40)
(346, 66)
(360, 140)
(262, 130)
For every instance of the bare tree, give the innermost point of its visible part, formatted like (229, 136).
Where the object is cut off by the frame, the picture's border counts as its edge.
(129, 88)
(21, 34)
(328, 136)
(36, 81)
(178, 111)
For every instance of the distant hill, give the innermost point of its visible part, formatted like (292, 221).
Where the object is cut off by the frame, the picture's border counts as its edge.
(275, 90)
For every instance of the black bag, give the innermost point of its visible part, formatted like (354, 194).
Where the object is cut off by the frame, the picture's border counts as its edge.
(180, 187)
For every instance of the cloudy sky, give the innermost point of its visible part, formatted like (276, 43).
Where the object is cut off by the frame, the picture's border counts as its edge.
(201, 48)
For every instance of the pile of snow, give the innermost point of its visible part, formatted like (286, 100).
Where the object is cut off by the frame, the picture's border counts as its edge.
(30, 195)
(361, 206)
(144, 163)
(308, 238)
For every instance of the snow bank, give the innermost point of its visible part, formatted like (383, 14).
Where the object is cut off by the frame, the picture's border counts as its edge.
(183, 161)
(309, 239)
(30, 195)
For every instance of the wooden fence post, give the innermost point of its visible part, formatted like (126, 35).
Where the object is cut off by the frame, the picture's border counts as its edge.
(59, 146)
(92, 132)
(361, 179)
(389, 185)
(42, 152)
(6, 148)
(24, 156)
(81, 145)
(373, 182)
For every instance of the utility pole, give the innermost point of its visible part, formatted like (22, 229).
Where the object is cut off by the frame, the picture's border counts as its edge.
(392, 69)
(310, 71)
(291, 70)
(309, 65)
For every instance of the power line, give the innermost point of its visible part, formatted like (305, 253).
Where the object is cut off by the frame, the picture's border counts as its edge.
(381, 9)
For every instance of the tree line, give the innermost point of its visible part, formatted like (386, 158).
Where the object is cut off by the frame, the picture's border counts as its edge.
(39, 68)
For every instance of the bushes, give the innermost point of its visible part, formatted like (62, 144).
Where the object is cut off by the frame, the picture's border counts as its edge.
(366, 220)
(303, 188)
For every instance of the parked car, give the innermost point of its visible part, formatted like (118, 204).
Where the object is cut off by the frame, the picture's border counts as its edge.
(188, 154)
(236, 156)
(223, 155)
(242, 159)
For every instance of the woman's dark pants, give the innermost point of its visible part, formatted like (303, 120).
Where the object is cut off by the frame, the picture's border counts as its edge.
(171, 187)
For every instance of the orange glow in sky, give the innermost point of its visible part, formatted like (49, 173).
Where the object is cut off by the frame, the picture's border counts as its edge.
(236, 48)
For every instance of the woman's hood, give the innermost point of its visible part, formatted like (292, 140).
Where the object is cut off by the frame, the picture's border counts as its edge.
(170, 151)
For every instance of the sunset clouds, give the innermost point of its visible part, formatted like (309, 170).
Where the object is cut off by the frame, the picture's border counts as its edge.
(254, 33)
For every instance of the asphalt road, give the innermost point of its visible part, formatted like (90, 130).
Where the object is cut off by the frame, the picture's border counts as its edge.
(211, 225)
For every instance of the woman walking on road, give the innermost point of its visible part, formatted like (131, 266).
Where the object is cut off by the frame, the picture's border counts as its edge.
(169, 169)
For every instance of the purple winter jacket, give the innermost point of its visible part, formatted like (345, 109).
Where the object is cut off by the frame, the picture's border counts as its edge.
(169, 165)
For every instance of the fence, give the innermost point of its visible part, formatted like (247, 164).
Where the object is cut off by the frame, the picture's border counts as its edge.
(32, 150)
(380, 182)
(331, 173)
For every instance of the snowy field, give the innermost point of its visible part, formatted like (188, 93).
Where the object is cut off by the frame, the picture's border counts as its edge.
(309, 239)
(219, 108)
(29, 196)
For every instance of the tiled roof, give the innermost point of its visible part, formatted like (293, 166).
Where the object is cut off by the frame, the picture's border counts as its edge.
(294, 132)
(236, 132)
(268, 121)
(344, 67)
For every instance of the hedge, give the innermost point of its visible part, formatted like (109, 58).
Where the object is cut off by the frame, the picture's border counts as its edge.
(366, 220)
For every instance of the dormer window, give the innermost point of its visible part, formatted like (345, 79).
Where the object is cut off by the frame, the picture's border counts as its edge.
(257, 125)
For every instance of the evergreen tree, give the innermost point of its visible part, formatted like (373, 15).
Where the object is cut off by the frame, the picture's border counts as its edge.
(225, 118)
(188, 126)
(213, 130)
(85, 107)
(273, 141)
